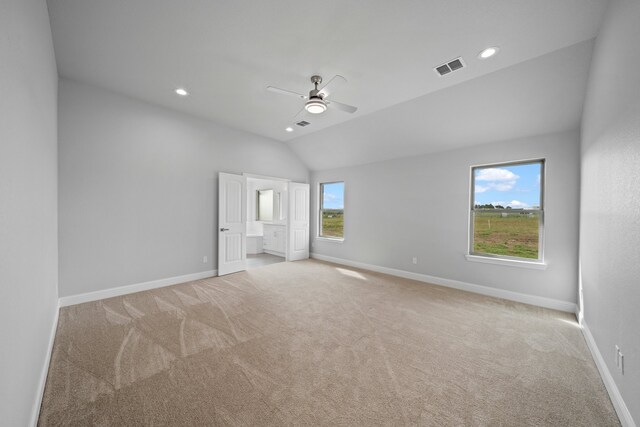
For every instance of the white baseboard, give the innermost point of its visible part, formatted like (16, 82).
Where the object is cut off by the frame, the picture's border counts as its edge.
(35, 413)
(464, 286)
(94, 296)
(130, 289)
(616, 398)
(621, 408)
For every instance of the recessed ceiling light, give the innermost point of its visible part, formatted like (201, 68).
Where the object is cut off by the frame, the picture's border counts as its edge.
(182, 92)
(289, 129)
(488, 52)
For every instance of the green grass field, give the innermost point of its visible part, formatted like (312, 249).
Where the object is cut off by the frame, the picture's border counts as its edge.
(333, 223)
(515, 235)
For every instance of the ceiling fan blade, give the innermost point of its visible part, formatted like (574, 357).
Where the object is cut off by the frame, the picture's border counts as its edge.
(342, 107)
(332, 85)
(300, 115)
(286, 92)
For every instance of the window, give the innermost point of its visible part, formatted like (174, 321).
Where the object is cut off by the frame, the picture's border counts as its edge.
(507, 212)
(264, 205)
(331, 210)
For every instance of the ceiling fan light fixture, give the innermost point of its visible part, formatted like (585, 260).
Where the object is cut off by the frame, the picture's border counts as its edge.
(315, 106)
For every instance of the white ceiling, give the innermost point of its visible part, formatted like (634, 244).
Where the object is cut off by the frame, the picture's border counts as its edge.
(226, 52)
(542, 95)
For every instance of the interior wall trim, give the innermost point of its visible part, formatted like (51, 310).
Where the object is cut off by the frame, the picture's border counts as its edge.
(35, 413)
(618, 402)
(130, 289)
(614, 394)
(555, 304)
(94, 296)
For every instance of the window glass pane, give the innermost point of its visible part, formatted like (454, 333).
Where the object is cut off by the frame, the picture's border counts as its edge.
(507, 210)
(516, 186)
(332, 210)
(512, 234)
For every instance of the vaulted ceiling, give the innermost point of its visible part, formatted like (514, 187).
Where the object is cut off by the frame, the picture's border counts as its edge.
(227, 52)
(542, 95)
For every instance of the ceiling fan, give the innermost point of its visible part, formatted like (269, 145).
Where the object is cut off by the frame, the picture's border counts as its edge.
(317, 101)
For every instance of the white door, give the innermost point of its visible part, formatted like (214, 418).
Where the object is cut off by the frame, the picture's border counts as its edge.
(298, 219)
(232, 221)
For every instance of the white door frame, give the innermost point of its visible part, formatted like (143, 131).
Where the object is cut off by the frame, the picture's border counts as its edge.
(288, 256)
(270, 178)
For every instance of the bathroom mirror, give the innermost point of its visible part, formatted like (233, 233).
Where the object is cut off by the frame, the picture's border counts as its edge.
(264, 205)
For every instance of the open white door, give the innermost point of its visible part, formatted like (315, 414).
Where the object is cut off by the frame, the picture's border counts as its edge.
(232, 221)
(298, 218)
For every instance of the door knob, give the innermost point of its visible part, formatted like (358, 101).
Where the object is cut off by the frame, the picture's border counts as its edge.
(224, 229)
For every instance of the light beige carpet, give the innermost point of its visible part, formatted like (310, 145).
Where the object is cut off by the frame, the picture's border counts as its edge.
(311, 343)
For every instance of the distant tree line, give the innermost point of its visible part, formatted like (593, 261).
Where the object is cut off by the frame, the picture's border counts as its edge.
(490, 206)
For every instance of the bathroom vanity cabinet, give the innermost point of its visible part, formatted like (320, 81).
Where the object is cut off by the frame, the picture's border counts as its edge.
(274, 239)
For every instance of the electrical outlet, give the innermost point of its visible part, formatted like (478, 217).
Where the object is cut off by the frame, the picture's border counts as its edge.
(415, 259)
(205, 259)
(619, 360)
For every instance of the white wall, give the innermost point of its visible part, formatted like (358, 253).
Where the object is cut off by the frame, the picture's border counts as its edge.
(610, 197)
(419, 206)
(138, 187)
(28, 204)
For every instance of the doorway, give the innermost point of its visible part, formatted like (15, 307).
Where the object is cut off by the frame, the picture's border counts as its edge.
(266, 221)
(261, 221)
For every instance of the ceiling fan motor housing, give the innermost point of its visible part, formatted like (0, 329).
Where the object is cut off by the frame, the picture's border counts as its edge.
(315, 104)
(315, 93)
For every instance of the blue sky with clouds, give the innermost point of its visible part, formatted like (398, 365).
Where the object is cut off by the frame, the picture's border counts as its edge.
(333, 196)
(516, 186)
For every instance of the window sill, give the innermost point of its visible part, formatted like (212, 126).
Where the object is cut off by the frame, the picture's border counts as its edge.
(536, 265)
(329, 239)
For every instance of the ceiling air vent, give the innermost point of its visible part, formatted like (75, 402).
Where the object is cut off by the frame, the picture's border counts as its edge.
(303, 123)
(450, 66)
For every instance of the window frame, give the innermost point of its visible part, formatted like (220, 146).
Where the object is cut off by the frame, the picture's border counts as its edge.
(507, 259)
(321, 209)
